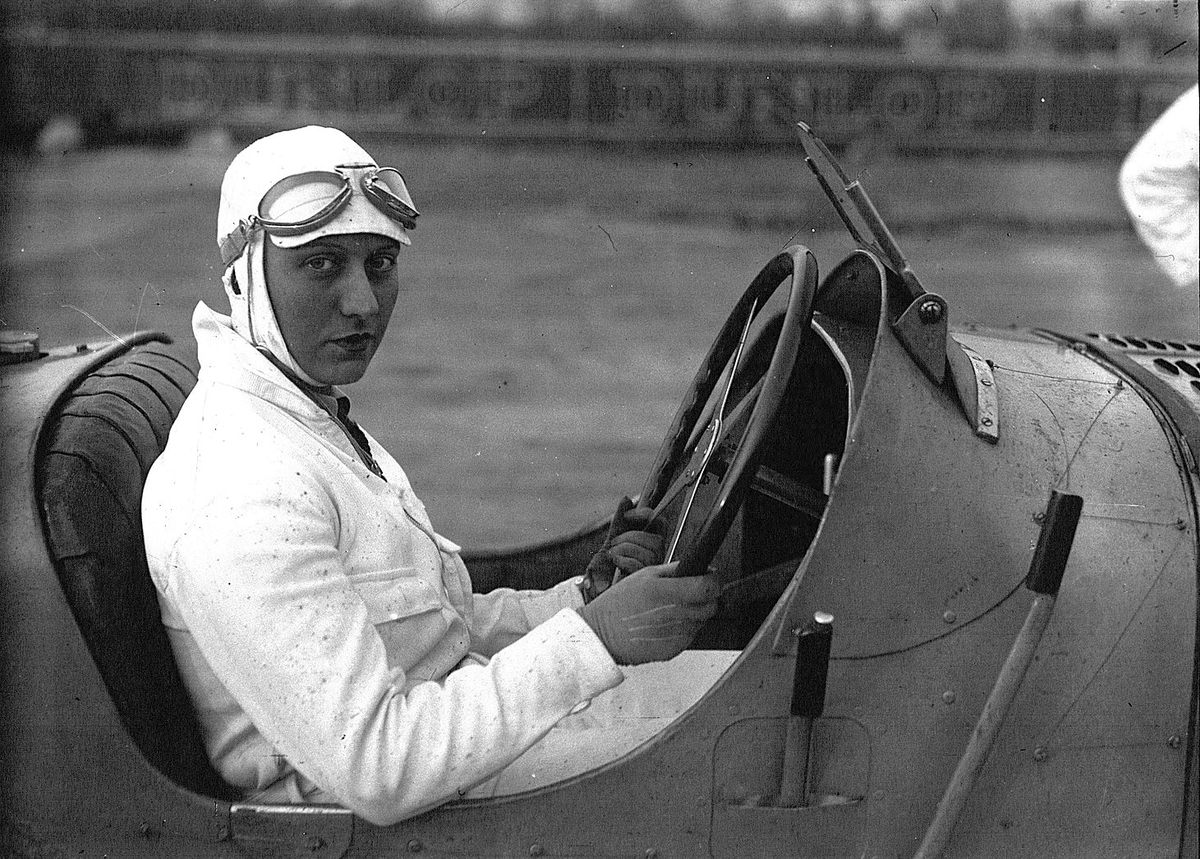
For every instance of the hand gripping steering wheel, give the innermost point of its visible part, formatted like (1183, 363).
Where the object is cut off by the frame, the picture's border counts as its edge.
(729, 445)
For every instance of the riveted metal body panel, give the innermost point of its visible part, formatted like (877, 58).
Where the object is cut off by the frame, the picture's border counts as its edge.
(921, 557)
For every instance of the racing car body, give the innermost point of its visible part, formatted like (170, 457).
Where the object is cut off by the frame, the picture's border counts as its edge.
(1002, 673)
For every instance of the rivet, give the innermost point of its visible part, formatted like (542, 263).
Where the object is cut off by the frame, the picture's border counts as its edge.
(987, 422)
(315, 843)
(948, 696)
(987, 383)
(949, 616)
(1039, 516)
(930, 311)
(1173, 741)
(1040, 754)
(415, 845)
(536, 850)
(1180, 525)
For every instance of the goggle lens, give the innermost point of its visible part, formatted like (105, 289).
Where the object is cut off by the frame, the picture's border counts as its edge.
(299, 203)
(386, 189)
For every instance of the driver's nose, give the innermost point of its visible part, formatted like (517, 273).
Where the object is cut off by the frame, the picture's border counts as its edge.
(357, 298)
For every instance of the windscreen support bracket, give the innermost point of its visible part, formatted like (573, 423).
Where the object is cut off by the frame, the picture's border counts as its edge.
(921, 328)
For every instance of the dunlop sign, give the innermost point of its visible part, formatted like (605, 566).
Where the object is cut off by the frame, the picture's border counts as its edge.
(693, 94)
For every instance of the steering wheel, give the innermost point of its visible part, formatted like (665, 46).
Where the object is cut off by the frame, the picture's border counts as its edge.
(729, 446)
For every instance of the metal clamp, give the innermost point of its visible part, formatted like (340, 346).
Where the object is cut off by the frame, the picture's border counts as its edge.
(976, 386)
(922, 328)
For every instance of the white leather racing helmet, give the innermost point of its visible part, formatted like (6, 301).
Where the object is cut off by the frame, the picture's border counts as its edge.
(294, 187)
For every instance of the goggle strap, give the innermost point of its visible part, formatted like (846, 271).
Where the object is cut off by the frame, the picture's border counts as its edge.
(233, 244)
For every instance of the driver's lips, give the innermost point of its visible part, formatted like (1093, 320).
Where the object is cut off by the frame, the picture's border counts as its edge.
(356, 344)
(347, 354)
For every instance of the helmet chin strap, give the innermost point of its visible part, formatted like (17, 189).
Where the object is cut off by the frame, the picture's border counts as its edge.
(250, 307)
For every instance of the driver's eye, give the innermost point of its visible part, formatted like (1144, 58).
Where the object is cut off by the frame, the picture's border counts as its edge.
(381, 263)
(319, 264)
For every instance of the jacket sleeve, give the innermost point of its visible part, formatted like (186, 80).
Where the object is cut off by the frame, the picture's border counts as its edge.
(260, 586)
(502, 616)
(1160, 186)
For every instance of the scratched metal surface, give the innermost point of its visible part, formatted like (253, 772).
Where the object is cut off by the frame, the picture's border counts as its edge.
(1093, 742)
(925, 544)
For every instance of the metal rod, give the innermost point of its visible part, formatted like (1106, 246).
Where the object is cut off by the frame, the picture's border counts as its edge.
(808, 703)
(829, 472)
(1044, 578)
(793, 785)
(986, 729)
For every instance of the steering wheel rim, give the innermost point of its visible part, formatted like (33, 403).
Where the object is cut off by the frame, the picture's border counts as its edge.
(798, 262)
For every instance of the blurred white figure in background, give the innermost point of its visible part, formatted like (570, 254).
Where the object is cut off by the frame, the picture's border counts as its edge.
(1160, 184)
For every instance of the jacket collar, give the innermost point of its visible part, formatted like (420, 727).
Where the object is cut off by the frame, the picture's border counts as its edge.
(228, 359)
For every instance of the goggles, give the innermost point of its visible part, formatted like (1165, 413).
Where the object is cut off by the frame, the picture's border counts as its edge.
(300, 204)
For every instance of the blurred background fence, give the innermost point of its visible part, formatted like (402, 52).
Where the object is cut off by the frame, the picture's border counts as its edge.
(971, 75)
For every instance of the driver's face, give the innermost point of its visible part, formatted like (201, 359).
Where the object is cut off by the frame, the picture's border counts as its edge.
(333, 298)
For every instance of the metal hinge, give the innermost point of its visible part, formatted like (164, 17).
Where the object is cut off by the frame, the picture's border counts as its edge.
(318, 831)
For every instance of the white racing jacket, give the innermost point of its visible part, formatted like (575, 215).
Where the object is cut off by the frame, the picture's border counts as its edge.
(1160, 185)
(327, 635)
